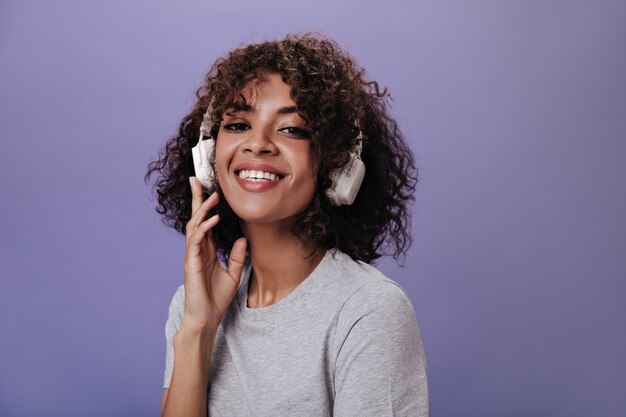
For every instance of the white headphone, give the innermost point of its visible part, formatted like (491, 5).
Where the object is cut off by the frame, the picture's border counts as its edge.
(346, 180)
(203, 152)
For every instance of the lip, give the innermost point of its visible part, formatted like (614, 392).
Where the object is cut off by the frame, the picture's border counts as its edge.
(260, 186)
(259, 166)
(256, 186)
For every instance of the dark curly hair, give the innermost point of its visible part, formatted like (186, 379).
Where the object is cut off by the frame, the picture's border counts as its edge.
(331, 93)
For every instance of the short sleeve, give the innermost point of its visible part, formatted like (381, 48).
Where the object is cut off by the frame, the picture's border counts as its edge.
(174, 318)
(380, 367)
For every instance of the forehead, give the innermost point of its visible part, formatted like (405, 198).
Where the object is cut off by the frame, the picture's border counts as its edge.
(266, 94)
(268, 87)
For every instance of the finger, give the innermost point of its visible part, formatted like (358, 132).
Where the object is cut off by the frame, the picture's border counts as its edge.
(196, 194)
(237, 258)
(201, 231)
(195, 249)
(199, 215)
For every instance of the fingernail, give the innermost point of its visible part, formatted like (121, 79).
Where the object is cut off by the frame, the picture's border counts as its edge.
(191, 182)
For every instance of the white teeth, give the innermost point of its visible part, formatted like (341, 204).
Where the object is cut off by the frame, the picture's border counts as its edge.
(252, 175)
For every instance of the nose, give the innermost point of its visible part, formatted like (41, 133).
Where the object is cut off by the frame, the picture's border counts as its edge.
(260, 142)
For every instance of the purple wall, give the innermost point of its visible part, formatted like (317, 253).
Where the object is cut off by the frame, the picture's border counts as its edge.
(517, 114)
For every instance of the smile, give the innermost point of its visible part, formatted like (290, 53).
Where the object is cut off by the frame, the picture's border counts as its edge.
(257, 181)
(257, 176)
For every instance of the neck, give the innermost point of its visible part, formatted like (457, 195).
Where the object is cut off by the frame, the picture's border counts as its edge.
(280, 262)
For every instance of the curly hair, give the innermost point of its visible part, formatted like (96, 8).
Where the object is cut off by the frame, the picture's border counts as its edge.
(331, 93)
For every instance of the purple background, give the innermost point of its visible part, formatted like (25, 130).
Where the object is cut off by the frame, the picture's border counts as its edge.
(516, 111)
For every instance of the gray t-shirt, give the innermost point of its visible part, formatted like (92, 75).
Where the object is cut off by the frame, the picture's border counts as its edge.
(345, 342)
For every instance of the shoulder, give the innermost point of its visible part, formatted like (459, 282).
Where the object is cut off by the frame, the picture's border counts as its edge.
(348, 274)
(379, 305)
(377, 340)
(365, 287)
(366, 291)
(177, 304)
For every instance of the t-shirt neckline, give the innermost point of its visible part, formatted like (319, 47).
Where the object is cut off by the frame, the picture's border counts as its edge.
(297, 292)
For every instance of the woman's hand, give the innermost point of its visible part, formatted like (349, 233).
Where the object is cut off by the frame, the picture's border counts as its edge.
(209, 288)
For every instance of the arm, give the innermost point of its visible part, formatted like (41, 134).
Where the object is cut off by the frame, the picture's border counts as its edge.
(187, 393)
(380, 368)
(197, 310)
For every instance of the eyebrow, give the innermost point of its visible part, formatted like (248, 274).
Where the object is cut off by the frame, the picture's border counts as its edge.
(287, 110)
(245, 107)
(236, 107)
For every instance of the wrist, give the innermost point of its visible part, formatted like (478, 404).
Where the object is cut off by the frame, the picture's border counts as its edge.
(193, 349)
(194, 331)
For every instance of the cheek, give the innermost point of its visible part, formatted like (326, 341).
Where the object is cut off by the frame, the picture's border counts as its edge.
(308, 175)
(222, 159)
(304, 160)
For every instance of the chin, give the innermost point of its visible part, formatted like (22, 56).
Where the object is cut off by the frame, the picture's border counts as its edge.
(252, 215)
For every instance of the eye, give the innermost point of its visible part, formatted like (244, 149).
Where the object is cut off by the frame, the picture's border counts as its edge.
(296, 131)
(236, 127)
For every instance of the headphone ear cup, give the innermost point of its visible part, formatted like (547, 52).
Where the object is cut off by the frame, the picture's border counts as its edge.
(202, 154)
(346, 182)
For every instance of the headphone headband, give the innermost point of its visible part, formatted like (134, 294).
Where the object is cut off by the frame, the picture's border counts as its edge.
(205, 126)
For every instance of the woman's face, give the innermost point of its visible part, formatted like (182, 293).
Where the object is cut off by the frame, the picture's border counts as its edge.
(263, 158)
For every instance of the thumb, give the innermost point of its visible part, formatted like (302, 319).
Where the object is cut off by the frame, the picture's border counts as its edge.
(237, 258)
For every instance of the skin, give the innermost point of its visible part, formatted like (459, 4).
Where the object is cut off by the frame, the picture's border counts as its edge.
(261, 133)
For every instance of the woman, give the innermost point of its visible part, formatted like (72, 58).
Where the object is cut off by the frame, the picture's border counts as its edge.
(280, 313)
